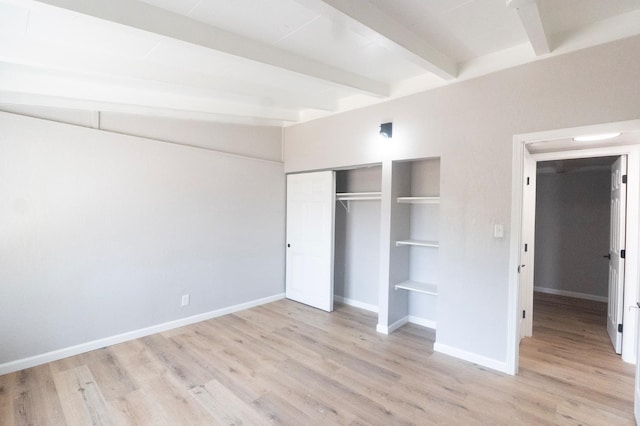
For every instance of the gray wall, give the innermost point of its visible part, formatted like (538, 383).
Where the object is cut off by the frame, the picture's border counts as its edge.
(425, 225)
(357, 252)
(102, 233)
(572, 231)
(470, 125)
(357, 238)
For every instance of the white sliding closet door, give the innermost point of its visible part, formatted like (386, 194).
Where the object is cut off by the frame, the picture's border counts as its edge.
(310, 233)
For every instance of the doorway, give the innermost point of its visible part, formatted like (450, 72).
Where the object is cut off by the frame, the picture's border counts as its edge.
(560, 145)
(573, 263)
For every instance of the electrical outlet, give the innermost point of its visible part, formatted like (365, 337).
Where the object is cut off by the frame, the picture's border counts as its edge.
(498, 231)
(185, 299)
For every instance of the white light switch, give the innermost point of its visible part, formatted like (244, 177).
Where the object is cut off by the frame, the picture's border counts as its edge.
(498, 231)
(185, 300)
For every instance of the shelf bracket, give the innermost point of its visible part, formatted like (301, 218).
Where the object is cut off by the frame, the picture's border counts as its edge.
(346, 206)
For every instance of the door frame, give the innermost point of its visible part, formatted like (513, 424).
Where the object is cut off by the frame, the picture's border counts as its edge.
(631, 291)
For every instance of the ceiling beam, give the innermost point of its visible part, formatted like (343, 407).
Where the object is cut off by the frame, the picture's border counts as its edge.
(370, 22)
(25, 84)
(30, 100)
(166, 77)
(533, 25)
(145, 17)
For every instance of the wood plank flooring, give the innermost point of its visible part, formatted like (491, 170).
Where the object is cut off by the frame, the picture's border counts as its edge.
(285, 363)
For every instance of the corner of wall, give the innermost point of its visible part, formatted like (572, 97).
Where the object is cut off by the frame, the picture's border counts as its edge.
(474, 358)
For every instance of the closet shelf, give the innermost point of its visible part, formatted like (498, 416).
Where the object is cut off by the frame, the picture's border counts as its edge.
(419, 200)
(419, 243)
(418, 287)
(358, 196)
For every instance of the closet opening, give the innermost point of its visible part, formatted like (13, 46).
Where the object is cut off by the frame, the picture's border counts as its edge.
(357, 237)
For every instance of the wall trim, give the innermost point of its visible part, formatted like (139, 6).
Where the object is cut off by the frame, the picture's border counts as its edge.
(422, 321)
(381, 328)
(93, 127)
(574, 294)
(32, 361)
(356, 303)
(491, 363)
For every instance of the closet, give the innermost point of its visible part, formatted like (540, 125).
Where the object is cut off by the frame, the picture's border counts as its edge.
(357, 236)
(373, 243)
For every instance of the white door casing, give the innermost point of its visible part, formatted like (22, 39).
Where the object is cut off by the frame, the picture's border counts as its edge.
(310, 235)
(527, 245)
(617, 242)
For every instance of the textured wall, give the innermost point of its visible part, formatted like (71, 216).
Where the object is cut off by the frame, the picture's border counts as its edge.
(101, 234)
(572, 231)
(470, 125)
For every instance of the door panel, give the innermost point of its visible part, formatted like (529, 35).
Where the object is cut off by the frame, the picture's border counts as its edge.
(636, 394)
(527, 246)
(310, 230)
(616, 245)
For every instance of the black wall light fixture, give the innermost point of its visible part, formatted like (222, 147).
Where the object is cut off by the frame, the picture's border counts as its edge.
(386, 130)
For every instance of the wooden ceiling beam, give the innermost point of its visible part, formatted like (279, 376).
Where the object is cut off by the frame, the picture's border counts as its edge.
(533, 25)
(370, 22)
(142, 16)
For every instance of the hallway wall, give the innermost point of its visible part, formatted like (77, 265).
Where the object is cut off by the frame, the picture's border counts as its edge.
(572, 233)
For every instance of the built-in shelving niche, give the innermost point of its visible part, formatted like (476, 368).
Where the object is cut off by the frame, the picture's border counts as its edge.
(416, 238)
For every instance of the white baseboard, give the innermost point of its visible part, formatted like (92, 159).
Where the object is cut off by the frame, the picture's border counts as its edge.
(573, 294)
(422, 321)
(356, 304)
(381, 328)
(491, 363)
(21, 364)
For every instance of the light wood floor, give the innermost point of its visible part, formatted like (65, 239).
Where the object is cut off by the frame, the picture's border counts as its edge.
(285, 363)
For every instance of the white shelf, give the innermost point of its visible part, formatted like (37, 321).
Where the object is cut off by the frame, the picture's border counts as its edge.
(418, 287)
(419, 200)
(419, 243)
(358, 196)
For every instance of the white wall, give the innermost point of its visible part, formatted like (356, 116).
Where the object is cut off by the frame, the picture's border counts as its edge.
(572, 231)
(252, 141)
(101, 233)
(470, 125)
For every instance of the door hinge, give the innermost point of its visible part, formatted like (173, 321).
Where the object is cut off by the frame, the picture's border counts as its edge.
(526, 247)
(527, 181)
(619, 328)
(624, 178)
(524, 313)
(623, 254)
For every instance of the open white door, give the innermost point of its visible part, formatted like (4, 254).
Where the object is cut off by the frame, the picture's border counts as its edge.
(636, 396)
(310, 230)
(617, 252)
(527, 245)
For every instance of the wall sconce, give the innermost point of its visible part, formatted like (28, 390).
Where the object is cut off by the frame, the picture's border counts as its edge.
(386, 130)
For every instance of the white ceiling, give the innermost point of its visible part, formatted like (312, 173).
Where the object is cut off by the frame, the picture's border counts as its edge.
(277, 62)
